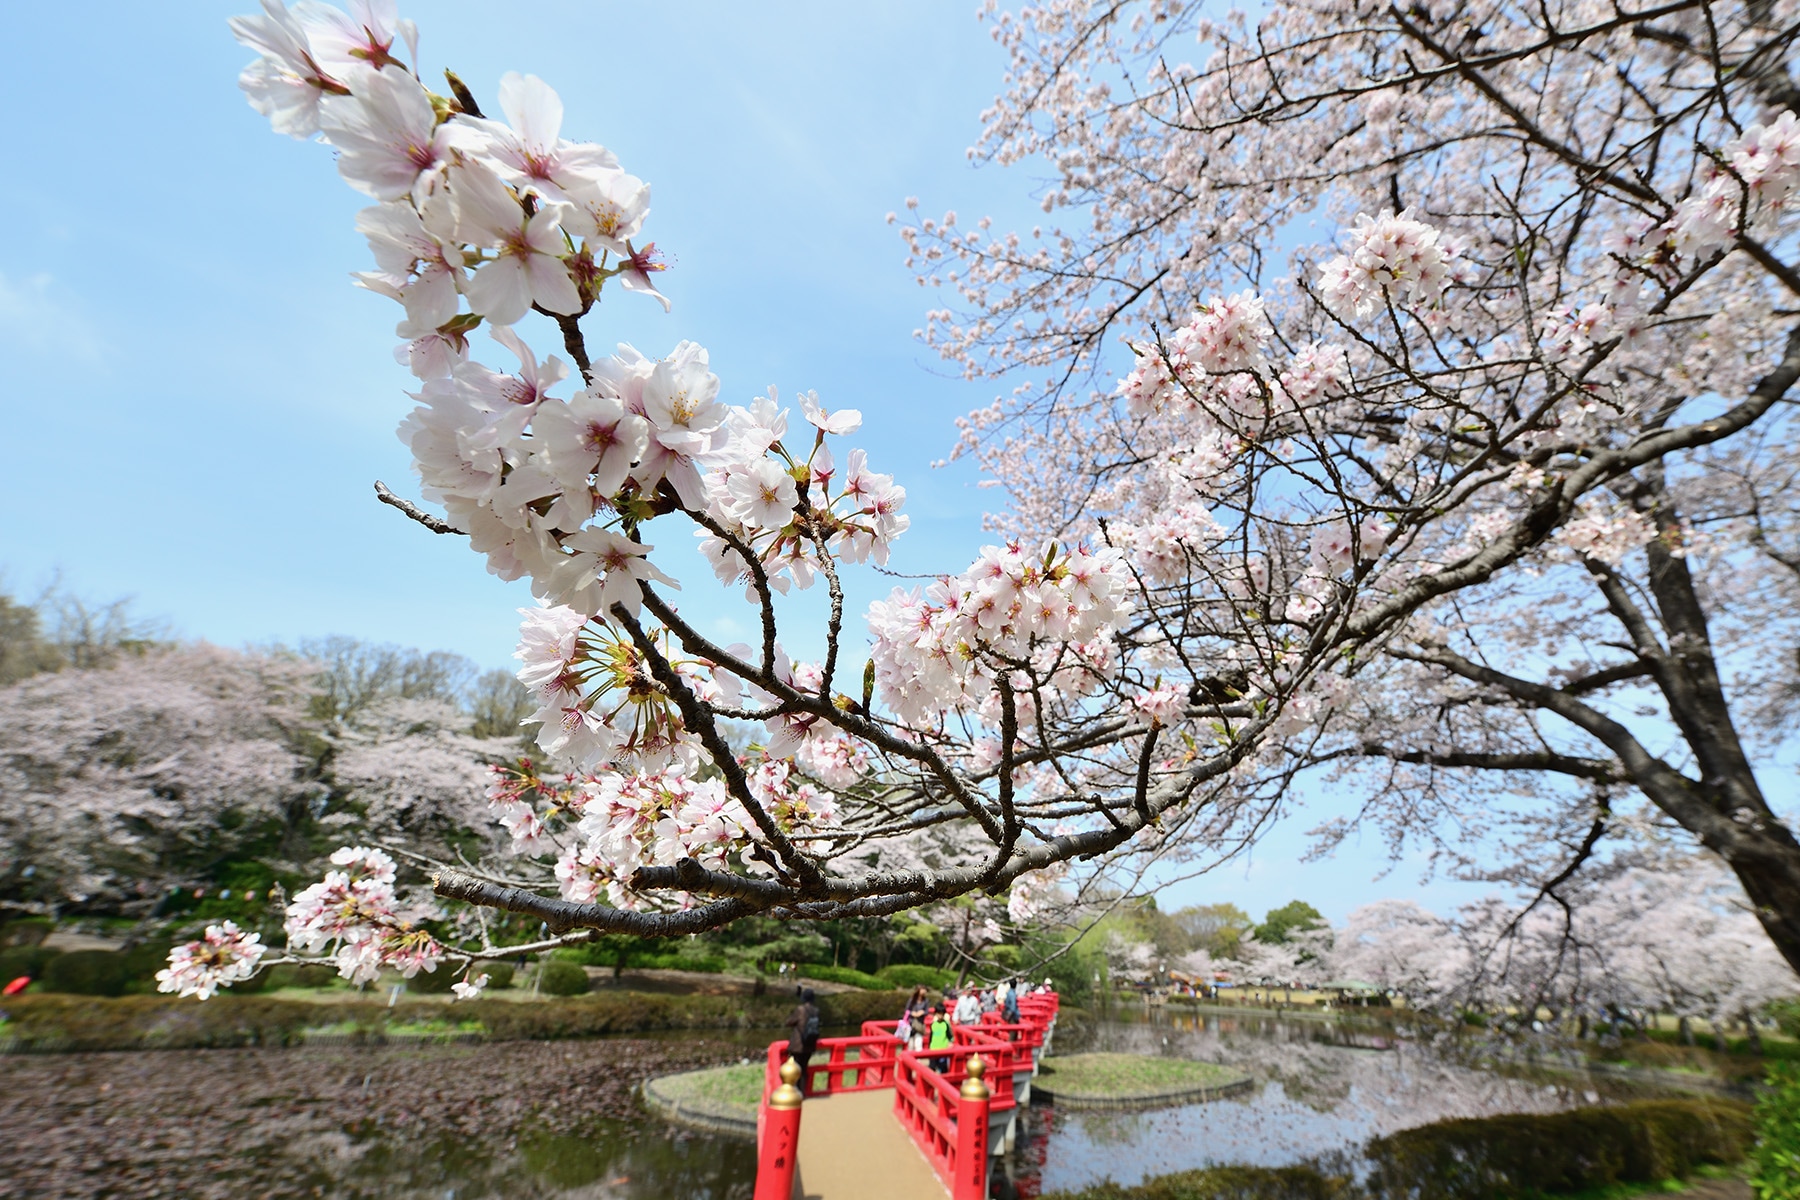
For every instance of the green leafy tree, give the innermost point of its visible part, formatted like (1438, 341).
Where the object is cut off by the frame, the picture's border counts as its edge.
(1296, 916)
(499, 703)
(1218, 929)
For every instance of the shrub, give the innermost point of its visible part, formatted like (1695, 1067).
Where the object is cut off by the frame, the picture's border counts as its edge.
(24, 960)
(1226, 1183)
(434, 983)
(604, 954)
(1775, 1159)
(558, 978)
(911, 975)
(844, 975)
(1502, 1158)
(145, 959)
(500, 975)
(165, 1022)
(300, 975)
(88, 973)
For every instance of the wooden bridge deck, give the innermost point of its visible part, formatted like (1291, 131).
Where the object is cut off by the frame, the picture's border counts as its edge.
(884, 1164)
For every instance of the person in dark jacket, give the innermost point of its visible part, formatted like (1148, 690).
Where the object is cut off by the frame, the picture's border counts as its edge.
(918, 1014)
(805, 1036)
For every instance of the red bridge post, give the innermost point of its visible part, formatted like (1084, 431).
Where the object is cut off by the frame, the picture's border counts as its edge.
(779, 1152)
(971, 1181)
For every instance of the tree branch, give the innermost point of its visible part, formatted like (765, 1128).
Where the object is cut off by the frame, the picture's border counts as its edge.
(435, 524)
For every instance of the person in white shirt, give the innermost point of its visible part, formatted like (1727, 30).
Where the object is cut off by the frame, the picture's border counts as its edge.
(968, 1008)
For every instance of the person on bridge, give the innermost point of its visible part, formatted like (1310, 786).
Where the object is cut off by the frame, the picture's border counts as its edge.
(940, 1037)
(918, 1013)
(968, 1008)
(805, 1037)
(1009, 1001)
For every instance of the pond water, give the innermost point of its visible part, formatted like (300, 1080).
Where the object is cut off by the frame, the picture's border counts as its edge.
(560, 1121)
(1323, 1088)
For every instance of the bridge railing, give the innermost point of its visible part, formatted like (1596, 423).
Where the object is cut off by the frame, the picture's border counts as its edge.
(949, 1114)
(957, 1116)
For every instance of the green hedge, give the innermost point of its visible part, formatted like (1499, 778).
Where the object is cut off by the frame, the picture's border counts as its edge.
(641, 960)
(559, 978)
(912, 975)
(1227, 1183)
(435, 983)
(847, 975)
(24, 960)
(1522, 1155)
(160, 1021)
(88, 973)
(301, 975)
(1775, 1160)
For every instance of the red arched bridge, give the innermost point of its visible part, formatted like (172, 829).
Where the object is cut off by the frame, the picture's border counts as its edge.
(883, 1123)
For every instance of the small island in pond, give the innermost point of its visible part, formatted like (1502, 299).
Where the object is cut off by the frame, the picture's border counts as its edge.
(719, 1099)
(1132, 1081)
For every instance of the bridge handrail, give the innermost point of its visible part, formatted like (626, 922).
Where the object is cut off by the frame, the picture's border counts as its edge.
(928, 1103)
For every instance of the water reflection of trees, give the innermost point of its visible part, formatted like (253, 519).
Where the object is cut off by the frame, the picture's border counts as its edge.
(1324, 1087)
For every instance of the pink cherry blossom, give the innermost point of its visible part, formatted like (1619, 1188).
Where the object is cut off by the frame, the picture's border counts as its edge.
(226, 955)
(388, 138)
(527, 268)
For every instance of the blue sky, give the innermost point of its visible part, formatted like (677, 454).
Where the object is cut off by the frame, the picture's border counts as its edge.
(194, 400)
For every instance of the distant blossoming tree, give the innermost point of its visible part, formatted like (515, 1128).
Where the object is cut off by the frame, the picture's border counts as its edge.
(1456, 448)
(1670, 936)
(122, 783)
(1355, 498)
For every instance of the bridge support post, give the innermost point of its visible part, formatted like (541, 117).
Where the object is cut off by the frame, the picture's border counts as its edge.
(778, 1151)
(971, 1136)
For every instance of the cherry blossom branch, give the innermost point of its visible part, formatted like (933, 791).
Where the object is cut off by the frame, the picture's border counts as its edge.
(562, 915)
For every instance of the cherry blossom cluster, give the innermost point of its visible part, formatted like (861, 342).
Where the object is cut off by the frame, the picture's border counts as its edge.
(1607, 534)
(603, 826)
(627, 821)
(1756, 176)
(1224, 337)
(1392, 258)
(599, 704)
(1214, 370)
(939, 650)
(356, 914)
(224, 956)
(789, 506)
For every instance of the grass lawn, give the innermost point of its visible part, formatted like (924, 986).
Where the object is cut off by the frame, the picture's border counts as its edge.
(734, 1086)
(1122, 1076)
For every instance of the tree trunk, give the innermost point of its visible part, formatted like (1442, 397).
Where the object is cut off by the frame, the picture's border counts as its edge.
(1767, 862)
(1687, 1032)
(1725, 808)
(1753, 1038)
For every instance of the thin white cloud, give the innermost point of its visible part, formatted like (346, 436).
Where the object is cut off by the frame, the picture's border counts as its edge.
(33, 317)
